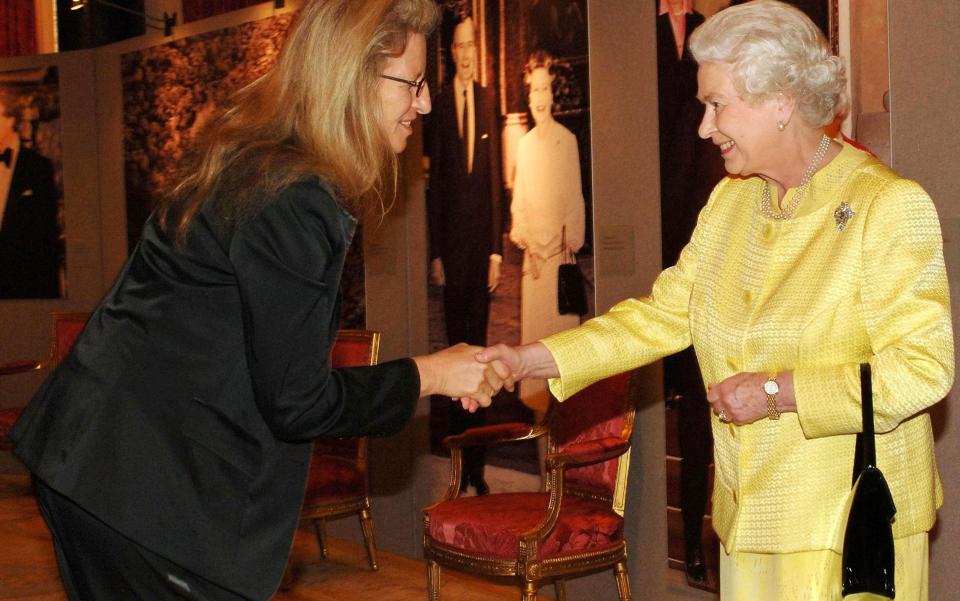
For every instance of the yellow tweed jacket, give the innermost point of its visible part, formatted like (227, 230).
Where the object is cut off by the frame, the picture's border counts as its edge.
(755, 295)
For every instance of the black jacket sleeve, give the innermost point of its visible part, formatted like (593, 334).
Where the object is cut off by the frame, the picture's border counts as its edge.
(288, 261)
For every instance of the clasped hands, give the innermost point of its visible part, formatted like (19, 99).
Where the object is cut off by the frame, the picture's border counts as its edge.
(473, 374)
(457, 373)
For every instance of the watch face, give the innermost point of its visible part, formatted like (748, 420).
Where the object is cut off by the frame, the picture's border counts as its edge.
(771, 387)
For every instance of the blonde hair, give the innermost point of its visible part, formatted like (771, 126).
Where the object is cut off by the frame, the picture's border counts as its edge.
(316, 112)
(774, 47)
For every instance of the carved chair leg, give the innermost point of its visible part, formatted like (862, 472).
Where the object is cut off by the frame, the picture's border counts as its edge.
(529, 591)
(321, 529)
(366, 525)
(560, 588)
(623, 581)
(433, 581)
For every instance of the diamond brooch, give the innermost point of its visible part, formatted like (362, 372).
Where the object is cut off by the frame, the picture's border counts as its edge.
(842, 215)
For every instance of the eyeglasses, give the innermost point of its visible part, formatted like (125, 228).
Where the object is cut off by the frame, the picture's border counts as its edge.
(418, 85)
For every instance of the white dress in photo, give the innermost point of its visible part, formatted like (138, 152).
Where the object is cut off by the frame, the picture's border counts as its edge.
(547, 195)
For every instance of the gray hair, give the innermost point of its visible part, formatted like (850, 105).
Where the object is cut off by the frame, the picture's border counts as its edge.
(775, 48)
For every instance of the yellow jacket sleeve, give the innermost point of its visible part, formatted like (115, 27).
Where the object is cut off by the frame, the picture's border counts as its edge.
(906, 307)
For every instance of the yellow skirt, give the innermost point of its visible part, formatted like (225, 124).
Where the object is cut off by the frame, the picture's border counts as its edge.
(815, 575)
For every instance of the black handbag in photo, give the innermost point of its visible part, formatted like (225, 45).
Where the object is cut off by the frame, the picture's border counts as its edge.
(571, 288)
(868, 553)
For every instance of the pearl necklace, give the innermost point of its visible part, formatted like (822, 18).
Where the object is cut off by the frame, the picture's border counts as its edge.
(787, 212)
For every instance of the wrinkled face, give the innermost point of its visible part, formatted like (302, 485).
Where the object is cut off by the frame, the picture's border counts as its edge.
(745, 132)
(464, 51)
(541, 94)
(399, 103)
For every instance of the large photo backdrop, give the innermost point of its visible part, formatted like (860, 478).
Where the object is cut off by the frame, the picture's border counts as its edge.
(31, 184)
(168, 92)
(508, 161)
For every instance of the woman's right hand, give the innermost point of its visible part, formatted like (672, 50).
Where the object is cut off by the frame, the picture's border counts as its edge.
(455, 372)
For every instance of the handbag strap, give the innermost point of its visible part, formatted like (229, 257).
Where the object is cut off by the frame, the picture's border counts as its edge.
(866, 452)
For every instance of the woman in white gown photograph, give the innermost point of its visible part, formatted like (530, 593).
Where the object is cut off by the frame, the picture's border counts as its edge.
(547, 211)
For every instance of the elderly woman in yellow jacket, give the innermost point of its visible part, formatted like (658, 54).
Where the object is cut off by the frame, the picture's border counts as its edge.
(811, 258)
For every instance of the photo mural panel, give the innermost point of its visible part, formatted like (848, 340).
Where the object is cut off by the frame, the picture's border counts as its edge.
(509, 176)
(690, 167)
(170, 90)
(194, 10)
(32, 257)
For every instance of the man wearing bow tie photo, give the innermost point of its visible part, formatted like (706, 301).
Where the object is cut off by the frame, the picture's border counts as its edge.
(29, 256)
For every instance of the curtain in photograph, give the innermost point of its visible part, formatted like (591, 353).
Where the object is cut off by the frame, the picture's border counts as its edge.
(194, 10)
(18, 28)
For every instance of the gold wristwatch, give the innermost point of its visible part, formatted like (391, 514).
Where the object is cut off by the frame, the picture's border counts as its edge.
(771, 388)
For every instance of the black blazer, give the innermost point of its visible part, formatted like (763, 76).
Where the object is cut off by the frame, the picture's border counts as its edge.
(182, 416)
(29, 251)
(464, 210)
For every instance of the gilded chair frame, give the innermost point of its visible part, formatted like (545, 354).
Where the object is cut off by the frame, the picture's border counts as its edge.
(528, 567)
(360, 504)
(9, 415)
(54, 355)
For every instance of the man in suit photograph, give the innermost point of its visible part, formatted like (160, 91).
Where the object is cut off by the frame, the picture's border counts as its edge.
(29, 233)
(689, 168)
(464, 215)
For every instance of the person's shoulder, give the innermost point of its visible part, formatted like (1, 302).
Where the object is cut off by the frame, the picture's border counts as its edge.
(313, 193)
(308, 200)
(565, 134)
(886, 194)
(33, 157)
(483, 92)
(869, 172)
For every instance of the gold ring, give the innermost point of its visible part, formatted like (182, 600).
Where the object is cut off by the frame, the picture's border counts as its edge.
(723, 416)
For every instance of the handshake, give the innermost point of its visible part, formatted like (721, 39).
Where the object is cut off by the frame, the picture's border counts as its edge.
(474, 375)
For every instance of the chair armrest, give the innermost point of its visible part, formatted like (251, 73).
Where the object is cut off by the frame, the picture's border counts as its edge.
(495, 434)
(587, 452)
(11, 368)
(486, 435)
(582, 453)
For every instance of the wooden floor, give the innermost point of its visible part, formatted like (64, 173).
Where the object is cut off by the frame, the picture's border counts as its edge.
(28, 569)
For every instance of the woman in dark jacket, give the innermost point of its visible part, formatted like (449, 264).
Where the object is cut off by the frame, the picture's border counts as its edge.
(170, 449)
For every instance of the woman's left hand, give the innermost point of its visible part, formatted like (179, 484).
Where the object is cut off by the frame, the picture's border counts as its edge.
(740, 399)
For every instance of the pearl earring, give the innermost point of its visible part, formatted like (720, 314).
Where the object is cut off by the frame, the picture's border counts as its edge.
(780, 125)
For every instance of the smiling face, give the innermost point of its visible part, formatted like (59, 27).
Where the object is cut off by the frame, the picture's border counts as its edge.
(541, 94)
(745, 132)
(399, 103)
(464, 50)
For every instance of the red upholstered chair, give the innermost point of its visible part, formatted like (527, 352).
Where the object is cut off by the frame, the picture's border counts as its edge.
(338, 485)
(573, 527)
(64, 330)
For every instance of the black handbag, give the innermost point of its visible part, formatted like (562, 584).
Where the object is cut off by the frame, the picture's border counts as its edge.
(868, 557)
(571, 290)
